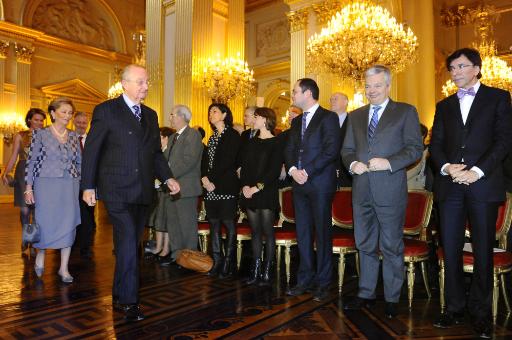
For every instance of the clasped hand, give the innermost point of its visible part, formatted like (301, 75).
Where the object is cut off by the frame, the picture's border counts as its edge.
(299, 176)
(461, 176)
(374, 164)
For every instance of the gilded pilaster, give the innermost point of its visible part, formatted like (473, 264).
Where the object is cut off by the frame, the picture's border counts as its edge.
(4, 50)
(236, 44)
(154, 53)
(23, 60)
(298, 21)
(194, 20)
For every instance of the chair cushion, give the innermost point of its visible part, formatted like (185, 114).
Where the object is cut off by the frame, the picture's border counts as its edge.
(343, 239)
(285, 233)
(287, 208)
(415, 247)
(416, 206)
(342, 207)
(203, 226)
(243, 229)
(501, 259)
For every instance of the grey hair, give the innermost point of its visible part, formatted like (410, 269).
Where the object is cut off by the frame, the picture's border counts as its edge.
(127, 69)
(183, 111)
(376, 69)
(251, 108)
(341, 94)
(81, 113)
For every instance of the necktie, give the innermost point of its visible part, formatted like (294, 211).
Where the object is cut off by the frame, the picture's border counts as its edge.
(251, 135)
(136, 112)
(463, 92)
(174, 139)
(304, 116)
(80, 139)
(373, 123)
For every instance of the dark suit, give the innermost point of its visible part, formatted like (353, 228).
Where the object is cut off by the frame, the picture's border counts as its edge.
(379, 198)
(121, 158)
(483, 141)
(344, 178)
(319, 152)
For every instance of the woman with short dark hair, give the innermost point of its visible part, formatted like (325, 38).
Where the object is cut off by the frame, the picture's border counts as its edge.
(219, 178)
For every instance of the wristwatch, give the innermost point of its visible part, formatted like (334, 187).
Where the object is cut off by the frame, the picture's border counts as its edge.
(260, 186)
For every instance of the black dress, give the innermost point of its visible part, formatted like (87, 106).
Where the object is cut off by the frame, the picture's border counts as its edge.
(262, 163)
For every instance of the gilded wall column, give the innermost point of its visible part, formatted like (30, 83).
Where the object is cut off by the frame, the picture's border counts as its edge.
(4, 50)
(416, 85)
(235, 45)
(298, 24)
(154, 54)
(194, 20)
(23, 60)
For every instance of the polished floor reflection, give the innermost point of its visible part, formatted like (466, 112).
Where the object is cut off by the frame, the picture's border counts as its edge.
(185, 305)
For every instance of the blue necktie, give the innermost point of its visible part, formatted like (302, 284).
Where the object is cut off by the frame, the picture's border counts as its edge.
(136, 112)
(373, 123)
(302, 131)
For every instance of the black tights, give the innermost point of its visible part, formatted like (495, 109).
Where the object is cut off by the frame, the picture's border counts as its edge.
(25, 213)
(215, 232)
(262, 223)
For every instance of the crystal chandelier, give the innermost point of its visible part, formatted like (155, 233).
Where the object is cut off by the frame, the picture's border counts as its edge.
(226, 78)
(495, 71)
(11, 124)
(358, 36)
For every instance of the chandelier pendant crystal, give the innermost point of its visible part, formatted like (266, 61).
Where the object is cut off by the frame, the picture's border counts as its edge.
(357, 37)
(225, 79)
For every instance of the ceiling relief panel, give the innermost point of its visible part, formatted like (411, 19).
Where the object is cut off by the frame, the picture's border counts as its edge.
(89, 22)
(272, 38)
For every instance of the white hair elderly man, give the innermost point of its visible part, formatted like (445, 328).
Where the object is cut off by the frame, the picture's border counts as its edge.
(184, 151)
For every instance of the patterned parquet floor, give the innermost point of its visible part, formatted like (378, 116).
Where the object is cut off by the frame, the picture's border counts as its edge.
(181, 304)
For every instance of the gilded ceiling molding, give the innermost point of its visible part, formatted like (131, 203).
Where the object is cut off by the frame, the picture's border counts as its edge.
(276, 69)
(298, 19)
(4, 48)
(221, 8)
(23, 53)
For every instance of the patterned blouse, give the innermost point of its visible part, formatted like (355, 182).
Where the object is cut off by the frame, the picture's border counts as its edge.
(212, 147)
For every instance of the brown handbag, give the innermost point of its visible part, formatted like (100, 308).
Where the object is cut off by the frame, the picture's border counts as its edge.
(194, 260)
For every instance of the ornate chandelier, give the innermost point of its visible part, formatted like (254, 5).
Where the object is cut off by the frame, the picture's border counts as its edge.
(495, 71)
(358, 36)
(226, 78)
(11, 124)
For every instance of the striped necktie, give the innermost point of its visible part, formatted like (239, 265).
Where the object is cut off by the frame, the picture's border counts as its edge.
(136, 112)
(373, 123)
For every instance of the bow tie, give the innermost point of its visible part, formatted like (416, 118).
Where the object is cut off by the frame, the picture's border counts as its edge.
(463, 92)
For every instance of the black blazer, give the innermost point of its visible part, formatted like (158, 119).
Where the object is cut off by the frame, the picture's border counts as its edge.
(122, 156)
(320, 149)
(483, 141)
(344, 176)
(245, 137)
(223, 173)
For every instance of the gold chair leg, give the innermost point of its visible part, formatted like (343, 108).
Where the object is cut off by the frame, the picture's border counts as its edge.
(341, 271)
(238, 253)
(278, 262)
(505, 294)
(205, 244)
(495, 297)
(357, 264)
(441, 287)
(424, 273)
(410, 282)
(287, 262)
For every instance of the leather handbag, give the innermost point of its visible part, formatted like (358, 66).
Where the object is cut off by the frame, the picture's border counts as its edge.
(194, 260)
(30, 233)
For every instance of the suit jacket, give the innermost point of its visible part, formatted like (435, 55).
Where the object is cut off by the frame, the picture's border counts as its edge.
(483, 141)
(344, 176)
(122, 156)
(223, 173)
(397, 138)
(184, 157)
(320, 149)
(245, 137)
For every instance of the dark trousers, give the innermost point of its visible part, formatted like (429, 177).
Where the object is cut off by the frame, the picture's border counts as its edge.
(85, 230)
(313, 215)
(128, 222)
(482, 216)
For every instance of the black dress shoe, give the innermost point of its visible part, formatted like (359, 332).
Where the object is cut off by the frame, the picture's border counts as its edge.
(165, 261)
(483, 328)
(133, 313)
(449, 319)
(357, 303)
(321, 294)
(298, 290)
(391, 310)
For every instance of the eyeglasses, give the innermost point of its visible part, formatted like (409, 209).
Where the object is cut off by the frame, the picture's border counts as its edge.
(458, 67)
(140, 82)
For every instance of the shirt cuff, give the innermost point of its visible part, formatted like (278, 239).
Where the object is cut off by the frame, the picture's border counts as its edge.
(350, 167)
(291, 169)
(442, 169)
(478, 171)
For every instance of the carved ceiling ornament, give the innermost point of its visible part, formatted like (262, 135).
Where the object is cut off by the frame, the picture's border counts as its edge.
(87, 22)
(272, 38)
(298, 19)
(4, 48)
(23, 53)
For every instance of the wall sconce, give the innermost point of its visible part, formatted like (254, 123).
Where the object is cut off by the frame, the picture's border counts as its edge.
(11, 124)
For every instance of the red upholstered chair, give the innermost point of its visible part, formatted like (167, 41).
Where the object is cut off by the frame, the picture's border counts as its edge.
(417, 216)
(285, 236)
(343, 241)
(502, 259)
(203, 227)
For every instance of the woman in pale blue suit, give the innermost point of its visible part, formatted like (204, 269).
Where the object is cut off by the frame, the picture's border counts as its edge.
(53, 176)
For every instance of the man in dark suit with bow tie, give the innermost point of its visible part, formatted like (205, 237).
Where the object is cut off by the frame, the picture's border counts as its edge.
(471, 136)
(311, 156)
(121, 158)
